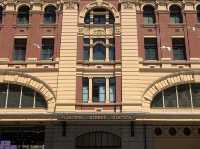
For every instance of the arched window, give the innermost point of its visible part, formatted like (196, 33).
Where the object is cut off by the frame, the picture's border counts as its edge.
(175, 14)
(50, 15)
(180, 96)
(17, 96)
(149, 15)
(198, 13)
(1, 14)
(98, 140)
(23, 15)
(99, 16)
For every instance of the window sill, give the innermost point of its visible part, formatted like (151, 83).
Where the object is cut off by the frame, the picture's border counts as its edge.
(98, 104)
(98, 25)
(169, 65)
(34, 62)
(184, 62)
(176, 24)
(22, 25)
(48, 25)
(150, 25)
(98, 62)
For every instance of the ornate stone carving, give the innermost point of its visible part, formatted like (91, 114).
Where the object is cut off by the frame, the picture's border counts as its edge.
(127, 4)
(70, 4)
(98, 32)
(117, 30)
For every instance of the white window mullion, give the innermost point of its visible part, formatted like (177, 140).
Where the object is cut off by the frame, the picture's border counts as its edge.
(34, 99)
(177, 100)
(20, 99)
(163, 99)
(191, 96)
(6, 105)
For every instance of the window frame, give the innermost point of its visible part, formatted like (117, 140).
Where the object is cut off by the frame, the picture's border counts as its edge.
(20, 100)
(178, 45)
(176, 15)
(50, 16)
(20, 49)
(150, 47)
(190, 98)
(23, 16)
(149, 16)
(98, 85)
(48, 45)
(198, 13)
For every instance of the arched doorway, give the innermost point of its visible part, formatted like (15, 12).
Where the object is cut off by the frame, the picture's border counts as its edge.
(98, 140)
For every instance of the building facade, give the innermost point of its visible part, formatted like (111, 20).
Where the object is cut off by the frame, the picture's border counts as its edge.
(118, 74)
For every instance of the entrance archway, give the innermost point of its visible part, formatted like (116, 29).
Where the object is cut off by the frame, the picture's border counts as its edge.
(98, 140)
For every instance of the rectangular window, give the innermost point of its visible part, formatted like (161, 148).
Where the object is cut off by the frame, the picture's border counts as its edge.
(47, 49)
(19, 52)
(85, 90)
(86, 49)
(151, 50)
(98, 89)
(112, 49)
(112, 90)
(178, 46)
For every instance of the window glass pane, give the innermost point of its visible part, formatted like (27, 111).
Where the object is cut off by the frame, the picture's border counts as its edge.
(112, 53)
(99, 19)
(196, 94)
(47, 48)
(19, 49)
(27, 97)
(14, 95)
(99, 52)
(98, 90)
(86, 53)
(111, 18)
(85, 90)
(23, 15)
(40, 101)
(178, 45)
(149, 15)
(157, 101)
(50, 15)
(198, 13)
(184, 98)
(170, 97)
(112, 90)
(87, 19)
(1, 14)
(150, 46)
(86, 41)
(3, 93)
(175, 14)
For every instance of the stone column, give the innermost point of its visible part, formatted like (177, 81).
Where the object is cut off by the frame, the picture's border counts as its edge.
(107, 50)
(91, 50)
(107, 17)
(107, 90)
(90, 90)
